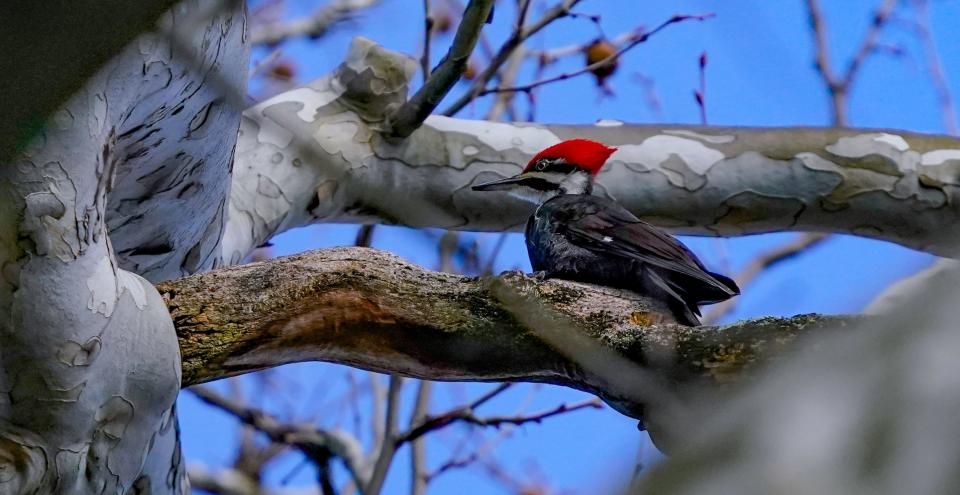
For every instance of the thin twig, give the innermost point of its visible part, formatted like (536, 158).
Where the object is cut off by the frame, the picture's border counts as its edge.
(457, 414)
(700, 95)
(838, 87)
(389, 444)
(934, 65)
(316, 444)
(466, 415)
(517, 38)
(411, 114)
(508, 77)
(640, 37)
(427, 38)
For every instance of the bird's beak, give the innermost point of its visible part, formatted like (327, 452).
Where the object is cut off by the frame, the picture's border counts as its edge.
(501, 184)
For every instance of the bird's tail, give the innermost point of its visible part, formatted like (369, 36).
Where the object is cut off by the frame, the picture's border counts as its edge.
(683, 308)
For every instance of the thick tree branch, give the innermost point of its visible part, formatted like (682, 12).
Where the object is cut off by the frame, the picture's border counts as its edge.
(411, 114)
(314, 154)
(369, 309)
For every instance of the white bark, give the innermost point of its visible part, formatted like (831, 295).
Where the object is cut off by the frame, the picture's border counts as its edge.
(308, 156)
(89, 360)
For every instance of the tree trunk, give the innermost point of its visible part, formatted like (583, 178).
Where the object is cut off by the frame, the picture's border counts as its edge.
(89, 360)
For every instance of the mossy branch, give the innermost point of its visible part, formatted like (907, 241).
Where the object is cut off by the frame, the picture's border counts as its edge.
(370, 309)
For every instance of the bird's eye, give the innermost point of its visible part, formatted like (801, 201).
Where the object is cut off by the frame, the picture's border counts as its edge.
(542, 165)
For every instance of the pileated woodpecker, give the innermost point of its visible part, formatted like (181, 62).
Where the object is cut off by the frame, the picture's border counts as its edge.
(576, 236)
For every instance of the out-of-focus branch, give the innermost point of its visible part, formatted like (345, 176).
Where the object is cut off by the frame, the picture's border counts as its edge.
(371, 310)
(519, 35)
(893, 297)
(762, 263)
(411, 114)
(838, 86)
(227, 481)
(934, 65)
(427, 41)
(418, 448)
(641, 37)
(388, 446)
(313, 26)
(315, 443)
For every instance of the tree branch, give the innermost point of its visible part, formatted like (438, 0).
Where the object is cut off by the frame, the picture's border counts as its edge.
(314, 154)
(520, 34)
(638, 38)
(314, 25)
(315, 443)
(411, 114)
(368, 309)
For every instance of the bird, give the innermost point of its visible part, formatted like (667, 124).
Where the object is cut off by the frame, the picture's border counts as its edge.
(575, 235)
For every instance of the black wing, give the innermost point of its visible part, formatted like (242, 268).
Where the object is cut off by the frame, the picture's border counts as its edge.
(610, 228)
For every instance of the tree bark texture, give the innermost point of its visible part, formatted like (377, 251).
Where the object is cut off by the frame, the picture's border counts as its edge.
(89, 361)
(369, 309)
(314, 154)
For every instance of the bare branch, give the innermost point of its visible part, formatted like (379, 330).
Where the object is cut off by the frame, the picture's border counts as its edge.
(713, 181)
(934, 65)
(640, 37)
(223, 481)
(700, 94)
(838, 87)
(313, 26)
(519, 35)
(371, 310)
(427, 39)
(418, 448)
(389, 445)
(411, 114)
(315, 443)
(466, 415)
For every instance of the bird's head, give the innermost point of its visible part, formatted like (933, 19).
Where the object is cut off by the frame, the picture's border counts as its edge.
(568, 167)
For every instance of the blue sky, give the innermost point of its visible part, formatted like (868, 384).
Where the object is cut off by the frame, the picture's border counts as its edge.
(760, 73)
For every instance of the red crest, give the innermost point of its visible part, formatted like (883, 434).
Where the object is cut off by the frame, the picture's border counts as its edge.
(584, 153)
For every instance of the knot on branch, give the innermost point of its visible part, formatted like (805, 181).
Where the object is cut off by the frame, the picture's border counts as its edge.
(375, 80)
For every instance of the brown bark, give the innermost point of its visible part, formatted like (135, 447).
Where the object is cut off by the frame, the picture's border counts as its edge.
(369, 309)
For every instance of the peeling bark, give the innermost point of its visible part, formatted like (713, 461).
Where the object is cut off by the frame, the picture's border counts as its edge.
(89, 361)
(369, 309)
(308, 155)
